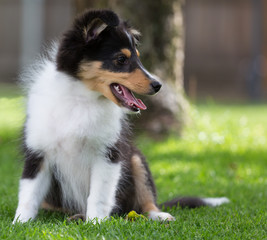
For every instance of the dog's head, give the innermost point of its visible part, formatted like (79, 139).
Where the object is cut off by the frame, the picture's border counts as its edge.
(100, 50)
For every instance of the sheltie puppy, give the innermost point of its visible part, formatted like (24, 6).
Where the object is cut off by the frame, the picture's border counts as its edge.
(79, 157)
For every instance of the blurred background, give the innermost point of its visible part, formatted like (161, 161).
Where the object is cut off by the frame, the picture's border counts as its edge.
(212, 57)
(204, 48)
(226, 49)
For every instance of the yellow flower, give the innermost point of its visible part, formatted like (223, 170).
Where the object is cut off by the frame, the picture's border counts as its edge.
(132, 216)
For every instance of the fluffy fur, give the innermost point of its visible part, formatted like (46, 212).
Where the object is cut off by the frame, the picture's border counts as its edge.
(79, 157)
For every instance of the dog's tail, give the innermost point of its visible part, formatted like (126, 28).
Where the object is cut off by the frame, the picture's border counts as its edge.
(194, 202)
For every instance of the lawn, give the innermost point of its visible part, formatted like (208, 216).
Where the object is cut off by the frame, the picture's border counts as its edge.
(223, 152)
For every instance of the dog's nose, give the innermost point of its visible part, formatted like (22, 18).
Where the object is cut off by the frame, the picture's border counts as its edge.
(156, 86)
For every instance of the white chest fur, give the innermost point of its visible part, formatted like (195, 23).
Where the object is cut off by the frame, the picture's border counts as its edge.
(72, 126)
(61, 108)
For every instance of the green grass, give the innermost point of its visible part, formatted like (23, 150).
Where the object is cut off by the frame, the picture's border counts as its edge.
(223, 152)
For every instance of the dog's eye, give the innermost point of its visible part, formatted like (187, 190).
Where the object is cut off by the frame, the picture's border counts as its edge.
(122, 60)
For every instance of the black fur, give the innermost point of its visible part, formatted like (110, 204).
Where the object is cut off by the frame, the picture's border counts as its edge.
(75, 47)
(33, 163)
(54, 196)
(184, 202)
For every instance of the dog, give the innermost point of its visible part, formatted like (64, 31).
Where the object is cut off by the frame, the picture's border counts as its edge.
(79, 156)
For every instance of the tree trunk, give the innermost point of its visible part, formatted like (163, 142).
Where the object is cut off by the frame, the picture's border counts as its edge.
(161, 51)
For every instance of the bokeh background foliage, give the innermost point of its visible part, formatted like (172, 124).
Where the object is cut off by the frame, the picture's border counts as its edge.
(214, 51)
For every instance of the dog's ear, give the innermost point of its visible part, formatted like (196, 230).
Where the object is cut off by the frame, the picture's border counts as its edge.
(86, 28)
(93, 30)
(135, 33)
(97, 21)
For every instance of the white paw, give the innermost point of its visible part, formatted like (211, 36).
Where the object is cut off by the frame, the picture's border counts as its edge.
(96, 220)
(19, 219)
(15, 221)
(160, 216)
(24, 215)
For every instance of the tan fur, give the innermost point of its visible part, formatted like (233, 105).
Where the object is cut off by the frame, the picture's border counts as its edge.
(137, 53)
(98, 79)
(50, 207)
(144, 195)
(126, 52)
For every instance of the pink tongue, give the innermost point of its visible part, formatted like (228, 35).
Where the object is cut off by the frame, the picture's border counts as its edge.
(131, 98)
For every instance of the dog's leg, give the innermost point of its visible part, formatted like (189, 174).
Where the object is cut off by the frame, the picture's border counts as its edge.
(144, 193)
(103, 185)
(33, 187)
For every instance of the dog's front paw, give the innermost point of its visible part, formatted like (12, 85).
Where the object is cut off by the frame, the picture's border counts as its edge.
(160, 216)
(20, 219)
(23, 216)
(95, 220)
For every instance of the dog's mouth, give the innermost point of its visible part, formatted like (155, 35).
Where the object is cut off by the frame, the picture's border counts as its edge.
(127, 98)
